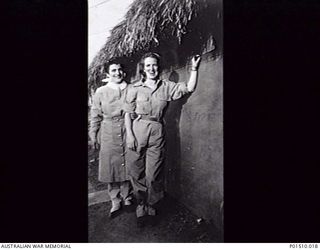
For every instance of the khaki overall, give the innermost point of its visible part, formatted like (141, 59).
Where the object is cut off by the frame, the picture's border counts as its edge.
(146, 163)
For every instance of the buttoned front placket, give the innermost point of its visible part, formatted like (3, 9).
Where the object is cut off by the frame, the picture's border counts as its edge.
(150, 95)
(118, 132)
(112, 155)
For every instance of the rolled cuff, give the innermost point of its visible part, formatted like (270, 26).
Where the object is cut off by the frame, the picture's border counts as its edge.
(180, 90)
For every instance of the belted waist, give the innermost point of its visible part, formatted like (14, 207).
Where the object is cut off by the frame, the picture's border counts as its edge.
(117, 118)
(149, 118)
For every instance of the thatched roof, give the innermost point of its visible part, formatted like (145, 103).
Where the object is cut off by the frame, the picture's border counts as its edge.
(146, 25)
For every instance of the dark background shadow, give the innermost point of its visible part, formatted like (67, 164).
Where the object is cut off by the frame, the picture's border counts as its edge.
(47, 35)
(173, 142)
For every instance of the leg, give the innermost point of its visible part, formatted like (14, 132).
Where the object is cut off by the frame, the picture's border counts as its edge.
(154, 167)
(154, 174)
(114, 193)
(125, 191)
(138, 180)
(136, 160)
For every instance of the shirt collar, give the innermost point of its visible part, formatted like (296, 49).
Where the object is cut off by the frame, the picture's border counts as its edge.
(113, 85)
(141, 83)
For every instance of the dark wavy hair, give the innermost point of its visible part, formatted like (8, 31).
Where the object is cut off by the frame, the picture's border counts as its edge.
(114, 60)
(141, 63)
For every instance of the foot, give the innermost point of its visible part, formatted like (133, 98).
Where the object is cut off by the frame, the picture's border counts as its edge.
(128, 206)
(141, 210)
(151, 211)
(116, 206)
(127, 202)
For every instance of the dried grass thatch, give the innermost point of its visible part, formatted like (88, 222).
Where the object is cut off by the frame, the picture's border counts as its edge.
(146, 25)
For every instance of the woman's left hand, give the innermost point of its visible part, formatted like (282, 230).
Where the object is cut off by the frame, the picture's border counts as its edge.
(131, 142)
(195, 62)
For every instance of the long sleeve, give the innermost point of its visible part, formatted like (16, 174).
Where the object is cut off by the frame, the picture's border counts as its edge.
(96, 116)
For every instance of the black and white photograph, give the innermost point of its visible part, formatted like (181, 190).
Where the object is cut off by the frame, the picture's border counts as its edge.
(155, 149)
(160, 121)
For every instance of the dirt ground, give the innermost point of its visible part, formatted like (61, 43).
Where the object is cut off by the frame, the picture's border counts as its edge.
(176, 224)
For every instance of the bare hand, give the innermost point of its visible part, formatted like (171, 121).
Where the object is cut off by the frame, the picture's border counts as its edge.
(195, 61)
(131, 142)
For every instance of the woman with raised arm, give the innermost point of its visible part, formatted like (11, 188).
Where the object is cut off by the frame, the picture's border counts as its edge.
(146, 101)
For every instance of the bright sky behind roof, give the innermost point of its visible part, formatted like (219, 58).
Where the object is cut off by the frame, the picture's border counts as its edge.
(103, 16)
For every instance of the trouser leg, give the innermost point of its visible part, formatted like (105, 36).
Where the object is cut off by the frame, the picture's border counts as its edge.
(114, 192)
(146, 166)
(137, 167)
(138, 180)
(155, 155)
(125, 190)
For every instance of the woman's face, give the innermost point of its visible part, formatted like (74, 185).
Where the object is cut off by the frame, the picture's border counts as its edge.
(151, 68)
(115, 73)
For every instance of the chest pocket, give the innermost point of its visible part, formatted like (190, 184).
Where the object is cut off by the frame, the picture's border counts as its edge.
(161, 95)
(143, 105)
(111, 104)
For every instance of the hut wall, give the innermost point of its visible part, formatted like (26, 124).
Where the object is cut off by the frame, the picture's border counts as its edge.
(194, 166)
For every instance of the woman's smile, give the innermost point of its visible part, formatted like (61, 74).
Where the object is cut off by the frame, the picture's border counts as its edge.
(151, 68)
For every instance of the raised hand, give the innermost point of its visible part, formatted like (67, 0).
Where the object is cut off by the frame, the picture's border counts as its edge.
(195, 61)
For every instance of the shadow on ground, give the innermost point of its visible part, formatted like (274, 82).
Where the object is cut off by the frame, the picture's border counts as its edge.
(176, 224)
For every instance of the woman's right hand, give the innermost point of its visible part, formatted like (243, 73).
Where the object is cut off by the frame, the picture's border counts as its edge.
(131, 142)
(195, 61)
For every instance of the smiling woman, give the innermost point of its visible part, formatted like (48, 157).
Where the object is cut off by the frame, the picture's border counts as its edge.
(190, 170)
(151, 68)
(107, 133)
(145, 135)
(115, 73)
